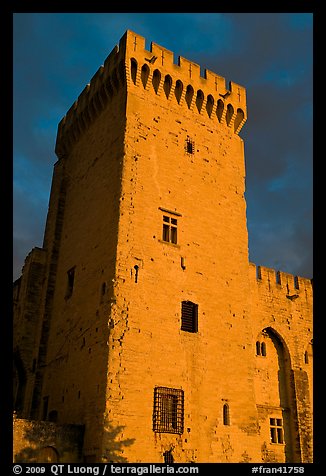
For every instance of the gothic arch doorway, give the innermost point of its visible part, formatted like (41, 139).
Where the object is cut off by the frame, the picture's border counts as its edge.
(275, 398)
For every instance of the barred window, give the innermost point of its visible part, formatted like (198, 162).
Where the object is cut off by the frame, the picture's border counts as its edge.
(189, 316)
(190, 146)
(276, 430)
(168, 410)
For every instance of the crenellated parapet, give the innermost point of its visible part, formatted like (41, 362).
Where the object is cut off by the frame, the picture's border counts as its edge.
(130, 65)
(292, 286)
(182, 83)
(106, 83)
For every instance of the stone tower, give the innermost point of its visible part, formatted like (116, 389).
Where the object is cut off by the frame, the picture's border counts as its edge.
(152, 328)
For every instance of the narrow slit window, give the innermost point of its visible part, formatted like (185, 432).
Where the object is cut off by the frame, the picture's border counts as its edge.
(189, 316)
(168, 457)
(226, 414)
(70, 282)
(306, 357)
(257, 348)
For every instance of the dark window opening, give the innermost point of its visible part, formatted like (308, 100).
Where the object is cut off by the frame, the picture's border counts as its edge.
(257, 348)
(189, 316)
(278, 278)
(261, 348)
(168, 410)
(226, 414)
(170, 233)
(276, 430)
(45, 408)
(190, 146)
(70, 282)
(168, 457)
(136, 268)
(296, 282)
(306, 358)
(103, 289)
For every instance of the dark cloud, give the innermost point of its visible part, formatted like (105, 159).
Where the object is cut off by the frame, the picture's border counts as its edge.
(56, 55)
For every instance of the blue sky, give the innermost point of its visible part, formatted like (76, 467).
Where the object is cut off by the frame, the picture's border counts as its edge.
(56, 54)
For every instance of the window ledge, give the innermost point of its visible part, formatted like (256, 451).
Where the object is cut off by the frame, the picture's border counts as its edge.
(169, 243)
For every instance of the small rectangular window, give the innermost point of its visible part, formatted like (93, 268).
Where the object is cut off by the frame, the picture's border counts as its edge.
(189, 316)
(168, 410)
(276, 430)
(170, 233)
(190, 146)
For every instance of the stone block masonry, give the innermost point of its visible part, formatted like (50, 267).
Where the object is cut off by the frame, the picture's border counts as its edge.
(158, 336)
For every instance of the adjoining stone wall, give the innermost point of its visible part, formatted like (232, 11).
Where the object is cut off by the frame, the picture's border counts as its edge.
(44, 442)
(26, 320)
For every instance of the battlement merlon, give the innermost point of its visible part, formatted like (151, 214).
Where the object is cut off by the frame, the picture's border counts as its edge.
(186, 70)
(109, 77)
(291, 284)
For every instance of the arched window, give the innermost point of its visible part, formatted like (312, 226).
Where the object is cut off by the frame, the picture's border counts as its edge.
(189, 95)
(178, 90)
(209, 104)
(257, 348)
(167, 85)
(226, 414)
(219, 109)
(133, 70)
(199, 99)
(229, 113)
(263, 349)
(144, 74)
(156, 80)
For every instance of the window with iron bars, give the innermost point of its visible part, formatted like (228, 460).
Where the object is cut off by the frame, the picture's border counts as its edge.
(168, 410)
